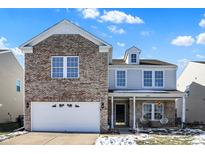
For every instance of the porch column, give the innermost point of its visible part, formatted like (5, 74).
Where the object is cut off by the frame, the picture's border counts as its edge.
(183, 110)
(112, 124)
(134, 117)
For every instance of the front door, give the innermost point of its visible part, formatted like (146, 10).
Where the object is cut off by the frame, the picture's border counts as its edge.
(120, 114)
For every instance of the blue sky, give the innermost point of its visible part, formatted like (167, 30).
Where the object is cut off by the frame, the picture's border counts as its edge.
(173, 35)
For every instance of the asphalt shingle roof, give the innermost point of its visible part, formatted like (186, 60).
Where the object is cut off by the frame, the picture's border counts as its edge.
(142, 62)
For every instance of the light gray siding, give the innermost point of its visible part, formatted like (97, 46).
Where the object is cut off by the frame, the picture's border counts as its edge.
(11, 101)
(170, 79)
(111, 79)
(135, 81)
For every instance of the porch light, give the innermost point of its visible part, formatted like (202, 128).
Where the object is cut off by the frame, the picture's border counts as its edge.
(158, 103)
(102, 105)
(27, 105)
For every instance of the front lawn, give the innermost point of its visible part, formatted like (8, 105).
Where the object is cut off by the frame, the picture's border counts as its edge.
(167, 140)
(156, 137)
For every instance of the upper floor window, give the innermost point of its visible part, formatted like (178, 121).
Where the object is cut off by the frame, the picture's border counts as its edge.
(65, 67)
(153, 79)
(57, 67)
(18, 85)
(72, 67)
(158, 78)
(121, 78)
(133, 58)
(147, 78)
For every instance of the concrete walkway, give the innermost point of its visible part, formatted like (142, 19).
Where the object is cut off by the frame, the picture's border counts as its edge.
(36, 138)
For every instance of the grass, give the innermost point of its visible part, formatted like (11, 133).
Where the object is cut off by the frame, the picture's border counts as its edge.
(6, 128)
(166, 140)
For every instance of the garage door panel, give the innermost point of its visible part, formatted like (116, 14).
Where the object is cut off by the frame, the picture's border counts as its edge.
(85, 118)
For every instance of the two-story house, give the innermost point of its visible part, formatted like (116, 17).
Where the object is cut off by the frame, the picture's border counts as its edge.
(11, 89)
(192, 81)
(142, 92)
(73, 84)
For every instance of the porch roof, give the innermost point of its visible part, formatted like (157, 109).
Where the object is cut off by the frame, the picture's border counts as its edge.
(146, 93)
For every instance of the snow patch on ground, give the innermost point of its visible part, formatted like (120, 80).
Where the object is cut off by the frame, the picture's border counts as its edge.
(156, 136)
(121, 140)
(10, 135)
(199, 140)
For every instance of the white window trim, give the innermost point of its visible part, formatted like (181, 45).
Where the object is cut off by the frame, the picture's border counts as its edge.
(116, 78)
(153, 79)
(19, 85)
(131, 58)
(52, 68)
(152, 113)
(64, 68)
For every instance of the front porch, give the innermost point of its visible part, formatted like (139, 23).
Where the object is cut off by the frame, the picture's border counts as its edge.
(133, 110)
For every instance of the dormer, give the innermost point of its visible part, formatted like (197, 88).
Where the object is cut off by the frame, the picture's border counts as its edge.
(132, 55)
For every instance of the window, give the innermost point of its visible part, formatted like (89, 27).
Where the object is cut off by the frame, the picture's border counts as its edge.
(65, 67)
(72, 67)
(121, 81)
(57, 67)
(158, 78)
(18, 85)
(153, 111)
(158, 111)
(147, 111)
(153, 79)
(147, 78)
(133, 58)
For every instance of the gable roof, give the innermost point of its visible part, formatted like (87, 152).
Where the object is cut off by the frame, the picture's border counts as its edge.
(142, 62)
(4, 51)
(11, 55)
(64, 27)
(133, 48)
(201, 62)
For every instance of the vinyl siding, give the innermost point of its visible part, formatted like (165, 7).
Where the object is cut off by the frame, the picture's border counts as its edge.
(134, 79)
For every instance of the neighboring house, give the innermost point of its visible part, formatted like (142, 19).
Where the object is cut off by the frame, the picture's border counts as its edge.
(11, 89)
(72, 84)
(192, 81)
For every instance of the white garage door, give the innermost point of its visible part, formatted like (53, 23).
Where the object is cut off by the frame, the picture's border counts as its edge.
(65, 116)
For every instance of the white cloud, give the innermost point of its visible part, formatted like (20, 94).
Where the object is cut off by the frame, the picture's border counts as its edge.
(89, 13)
(202, 23)
(200, 39)
(94, 27)
(145, 33)
(182, 62)
(200, 56)
(183, 41)
(154, 48)
(16, 51)
(104, 34)
(114, 29)
(3, 43)
(120, 44)
(120, 17)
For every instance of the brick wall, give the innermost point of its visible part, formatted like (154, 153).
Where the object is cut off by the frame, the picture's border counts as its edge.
(90, 87)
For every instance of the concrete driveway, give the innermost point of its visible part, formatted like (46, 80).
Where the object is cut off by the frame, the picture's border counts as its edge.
(36, 138)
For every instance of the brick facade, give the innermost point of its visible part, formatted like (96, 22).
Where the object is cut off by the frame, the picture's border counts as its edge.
(90, 87)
